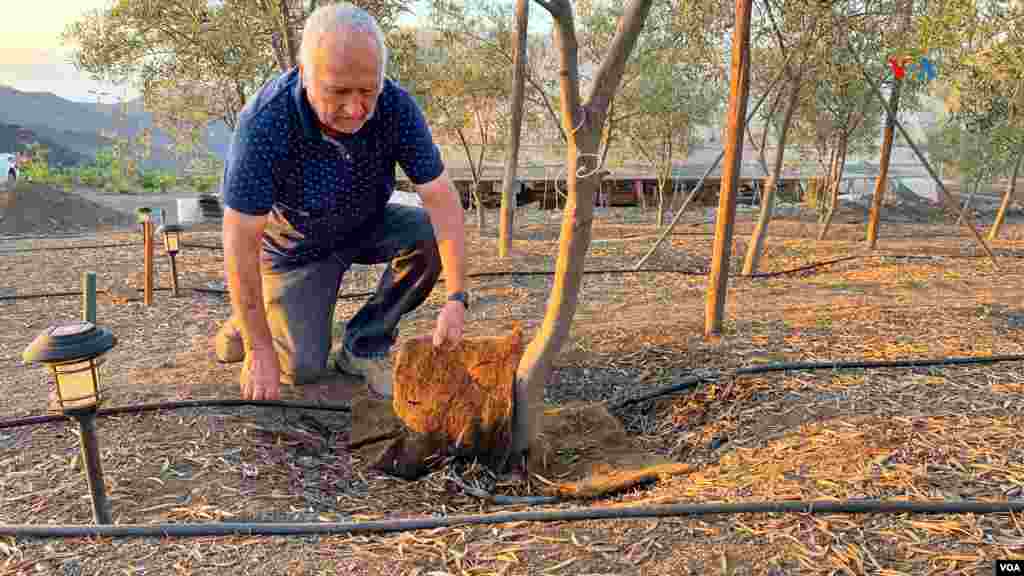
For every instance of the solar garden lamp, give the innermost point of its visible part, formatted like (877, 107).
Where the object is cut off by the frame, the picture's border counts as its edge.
(171, 234)
(72, 352)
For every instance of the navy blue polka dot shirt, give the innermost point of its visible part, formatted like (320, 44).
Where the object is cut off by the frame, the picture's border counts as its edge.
(320, 192)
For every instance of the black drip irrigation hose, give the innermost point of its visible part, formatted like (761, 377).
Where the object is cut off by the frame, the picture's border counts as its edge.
(571, 515)
(10, 297)
(619, 513)
(500, 499)
(177, 405)
(693, 381)
(341, 295)
(683, 385)
(588, 272)
(58, 248)
(203, 246)
(99, 246)
(758, 275)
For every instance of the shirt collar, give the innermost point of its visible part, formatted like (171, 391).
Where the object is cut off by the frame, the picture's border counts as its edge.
(307, 117)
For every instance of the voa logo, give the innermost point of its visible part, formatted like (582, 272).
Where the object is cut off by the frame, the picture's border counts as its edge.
(1004, 567)
(922, 68)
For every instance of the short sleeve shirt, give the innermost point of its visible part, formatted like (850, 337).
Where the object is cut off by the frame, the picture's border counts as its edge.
(320, 193)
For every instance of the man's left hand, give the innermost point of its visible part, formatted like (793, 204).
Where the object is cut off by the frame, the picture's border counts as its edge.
(449, 324)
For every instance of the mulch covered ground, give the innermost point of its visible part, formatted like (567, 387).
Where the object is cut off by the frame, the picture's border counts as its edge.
(940, 433)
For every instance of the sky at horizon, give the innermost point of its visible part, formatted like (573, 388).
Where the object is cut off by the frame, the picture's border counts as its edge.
(33, 59)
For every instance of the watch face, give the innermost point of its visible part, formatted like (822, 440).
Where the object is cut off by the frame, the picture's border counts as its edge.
(460, 297)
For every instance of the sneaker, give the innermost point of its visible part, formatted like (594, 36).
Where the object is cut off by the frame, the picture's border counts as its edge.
(376, 371)
(228, 344)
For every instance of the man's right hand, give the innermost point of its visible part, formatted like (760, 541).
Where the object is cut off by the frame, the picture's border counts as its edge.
(261, 375)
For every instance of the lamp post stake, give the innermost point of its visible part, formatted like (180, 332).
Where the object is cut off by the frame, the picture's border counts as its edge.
(89, 297)
(93, 467)
(147, 231)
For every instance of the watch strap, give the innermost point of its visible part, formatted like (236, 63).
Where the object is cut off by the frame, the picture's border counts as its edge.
(460, 297)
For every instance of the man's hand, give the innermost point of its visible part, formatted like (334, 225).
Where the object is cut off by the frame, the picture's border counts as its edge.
(450, 322)
(261, 375)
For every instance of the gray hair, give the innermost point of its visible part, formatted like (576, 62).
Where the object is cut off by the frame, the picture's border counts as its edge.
(338, 17)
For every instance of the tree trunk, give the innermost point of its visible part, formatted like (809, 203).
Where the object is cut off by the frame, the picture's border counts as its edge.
(476, 169)
(768, 198)
(819, 189)
(700, 183)
(967, 203)
(666, 179)
(536, 366)
(609, 133)
(906, 11)
(1007, 198)
(887, 143)
(833, 186)
(481, 217)
(883, 167)
(719, 279)
(664, 176)
(508, 186)
(290, 47)
(661, 204)
(764, 138)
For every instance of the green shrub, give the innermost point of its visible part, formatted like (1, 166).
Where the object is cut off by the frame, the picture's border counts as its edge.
(62, 178)
(166, 181)
(149, 180)
(203, 174)
(157, 180)
(35, 171)
(203, 183)
(91, 176)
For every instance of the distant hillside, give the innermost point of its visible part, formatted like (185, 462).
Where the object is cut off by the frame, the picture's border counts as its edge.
(17, 139)
(77, 126)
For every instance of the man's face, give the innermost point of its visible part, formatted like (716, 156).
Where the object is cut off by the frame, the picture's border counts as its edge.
(343, 86)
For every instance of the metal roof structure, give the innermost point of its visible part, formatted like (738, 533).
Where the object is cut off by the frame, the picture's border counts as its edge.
(800, 164)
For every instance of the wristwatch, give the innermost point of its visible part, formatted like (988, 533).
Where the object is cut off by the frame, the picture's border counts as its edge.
(460, 297)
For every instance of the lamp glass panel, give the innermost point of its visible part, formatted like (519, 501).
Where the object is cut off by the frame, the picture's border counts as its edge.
(78, 383)
(172, 241)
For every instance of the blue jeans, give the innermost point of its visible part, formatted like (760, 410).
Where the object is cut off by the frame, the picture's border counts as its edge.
(300, 302)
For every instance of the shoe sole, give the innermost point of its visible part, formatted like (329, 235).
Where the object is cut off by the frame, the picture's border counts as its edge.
(343, 367)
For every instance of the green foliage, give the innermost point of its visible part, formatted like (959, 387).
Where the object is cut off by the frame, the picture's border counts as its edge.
(195, 61)
(63, 178)
(106, 172)
(91, 176)
(672, 83)
(37, 169)
(983, 84)
(157, 180)
(976, 155)
(204, 174)
(461, 77)
(110, 165)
